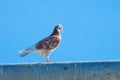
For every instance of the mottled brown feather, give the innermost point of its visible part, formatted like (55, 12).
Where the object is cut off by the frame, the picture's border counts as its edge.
(51, 42)
(48, 43)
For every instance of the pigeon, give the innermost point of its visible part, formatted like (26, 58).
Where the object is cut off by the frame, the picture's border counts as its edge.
(45, 46)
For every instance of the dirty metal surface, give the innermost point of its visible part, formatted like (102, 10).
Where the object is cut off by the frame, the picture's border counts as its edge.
(104, 70)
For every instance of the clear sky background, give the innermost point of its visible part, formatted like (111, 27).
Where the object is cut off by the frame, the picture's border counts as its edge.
(91, 29)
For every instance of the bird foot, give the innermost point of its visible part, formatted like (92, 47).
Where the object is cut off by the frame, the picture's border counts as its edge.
(48, 61)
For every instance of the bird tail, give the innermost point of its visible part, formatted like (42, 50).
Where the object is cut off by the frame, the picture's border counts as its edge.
(24, 52)
(27, 51)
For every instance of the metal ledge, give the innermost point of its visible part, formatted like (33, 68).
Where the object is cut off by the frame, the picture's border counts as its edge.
(96, 70)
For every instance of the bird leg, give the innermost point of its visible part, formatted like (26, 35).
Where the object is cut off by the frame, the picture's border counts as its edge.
(47, 59)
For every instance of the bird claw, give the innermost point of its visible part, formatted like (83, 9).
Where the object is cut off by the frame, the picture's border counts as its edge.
(48, 61)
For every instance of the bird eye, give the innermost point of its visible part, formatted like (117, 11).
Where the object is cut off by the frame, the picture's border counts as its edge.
(59, 28)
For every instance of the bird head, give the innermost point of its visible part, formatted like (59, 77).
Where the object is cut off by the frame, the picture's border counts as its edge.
(59, 28)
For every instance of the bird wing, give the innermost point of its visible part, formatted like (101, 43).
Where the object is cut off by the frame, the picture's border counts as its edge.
(48, 43)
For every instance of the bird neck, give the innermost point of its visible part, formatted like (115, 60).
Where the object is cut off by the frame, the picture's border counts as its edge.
(55, 32)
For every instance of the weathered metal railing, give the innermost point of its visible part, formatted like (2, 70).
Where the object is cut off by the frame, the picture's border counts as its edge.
(99, 70)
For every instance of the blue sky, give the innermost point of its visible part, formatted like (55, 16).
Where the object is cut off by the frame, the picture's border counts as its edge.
(91, 29)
